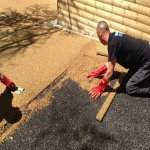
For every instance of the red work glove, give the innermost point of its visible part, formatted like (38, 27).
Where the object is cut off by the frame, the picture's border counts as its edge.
(97, 91)
(9, 84)
(98, 72)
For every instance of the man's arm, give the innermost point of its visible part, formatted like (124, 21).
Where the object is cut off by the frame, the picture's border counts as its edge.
(110, 70)
(97, 91)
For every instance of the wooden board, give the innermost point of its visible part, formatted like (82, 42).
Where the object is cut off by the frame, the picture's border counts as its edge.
(109, 99)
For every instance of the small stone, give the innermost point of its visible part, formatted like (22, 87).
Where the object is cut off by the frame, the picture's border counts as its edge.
(11, 137)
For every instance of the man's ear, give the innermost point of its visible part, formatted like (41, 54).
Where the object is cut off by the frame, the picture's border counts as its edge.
(98, 33)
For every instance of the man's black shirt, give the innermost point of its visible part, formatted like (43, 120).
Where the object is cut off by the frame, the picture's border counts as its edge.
(129, 51)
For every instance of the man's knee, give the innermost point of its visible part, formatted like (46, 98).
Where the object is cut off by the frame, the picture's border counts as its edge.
(130, 89)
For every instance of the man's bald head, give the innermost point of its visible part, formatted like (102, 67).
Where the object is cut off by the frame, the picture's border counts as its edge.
(102, 27)
(103, 32)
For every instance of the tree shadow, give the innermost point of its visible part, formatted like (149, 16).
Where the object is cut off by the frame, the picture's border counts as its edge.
(20, 30)
(7, 111)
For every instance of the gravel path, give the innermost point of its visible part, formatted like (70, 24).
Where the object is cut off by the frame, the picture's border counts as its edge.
(69, 123)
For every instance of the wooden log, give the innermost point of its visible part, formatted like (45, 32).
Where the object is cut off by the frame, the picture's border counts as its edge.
(85, 31)
(78, 22)
(76, 4)
(103, 14)
(116, 10)
(90, 9)
(76, 29)
(97, 19)
(62, 1)
(91, 3)
(79, 18)
(86, 15)
(85, 2)
(92, 24)
(109, 99)
(79, 12)
(140, 9)
(100, 5)
(62, 23)
(64, 18)
(132, 1)
(134, 32)
(131, 15)
(102, 54)
(143, 2)
(63, 6)
(63, 12)
(118, 3)
(137, 25)
(118, 27)
(146, 37)
(110, 2)
(117, 19)
(74, 10)
(143, 19)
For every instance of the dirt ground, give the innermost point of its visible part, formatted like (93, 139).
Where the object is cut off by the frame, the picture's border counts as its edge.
(33, 55)
(20, 5)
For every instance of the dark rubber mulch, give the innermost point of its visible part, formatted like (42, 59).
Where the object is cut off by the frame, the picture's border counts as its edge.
(69, 123)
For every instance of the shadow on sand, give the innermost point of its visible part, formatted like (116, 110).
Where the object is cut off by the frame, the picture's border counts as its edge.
(20, 30)
(7, 111)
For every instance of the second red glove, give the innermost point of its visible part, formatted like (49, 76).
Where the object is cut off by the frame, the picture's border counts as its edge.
(97, 91)
(98, 72)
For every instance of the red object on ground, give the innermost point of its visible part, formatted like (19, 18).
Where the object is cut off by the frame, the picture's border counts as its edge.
(98, 72)
(10, 85)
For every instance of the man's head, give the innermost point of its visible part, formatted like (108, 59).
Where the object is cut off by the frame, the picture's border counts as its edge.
(103, 32)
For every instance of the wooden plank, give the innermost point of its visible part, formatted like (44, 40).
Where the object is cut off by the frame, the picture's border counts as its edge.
(109, 99)
(102, 54)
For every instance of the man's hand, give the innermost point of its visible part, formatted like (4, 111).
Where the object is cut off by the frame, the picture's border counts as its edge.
(97, 91)
(98, 72)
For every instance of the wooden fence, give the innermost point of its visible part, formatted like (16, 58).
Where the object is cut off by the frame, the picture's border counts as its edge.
(127, 16)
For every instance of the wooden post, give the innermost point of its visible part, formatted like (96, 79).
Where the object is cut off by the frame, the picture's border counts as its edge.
(109, 99)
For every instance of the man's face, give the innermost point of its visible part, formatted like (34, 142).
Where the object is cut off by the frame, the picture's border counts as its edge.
(102, 38)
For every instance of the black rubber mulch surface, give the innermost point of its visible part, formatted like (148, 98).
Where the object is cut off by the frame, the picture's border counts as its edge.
(69, 123)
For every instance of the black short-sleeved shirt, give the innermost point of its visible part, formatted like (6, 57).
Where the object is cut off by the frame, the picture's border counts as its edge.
(129, 51)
